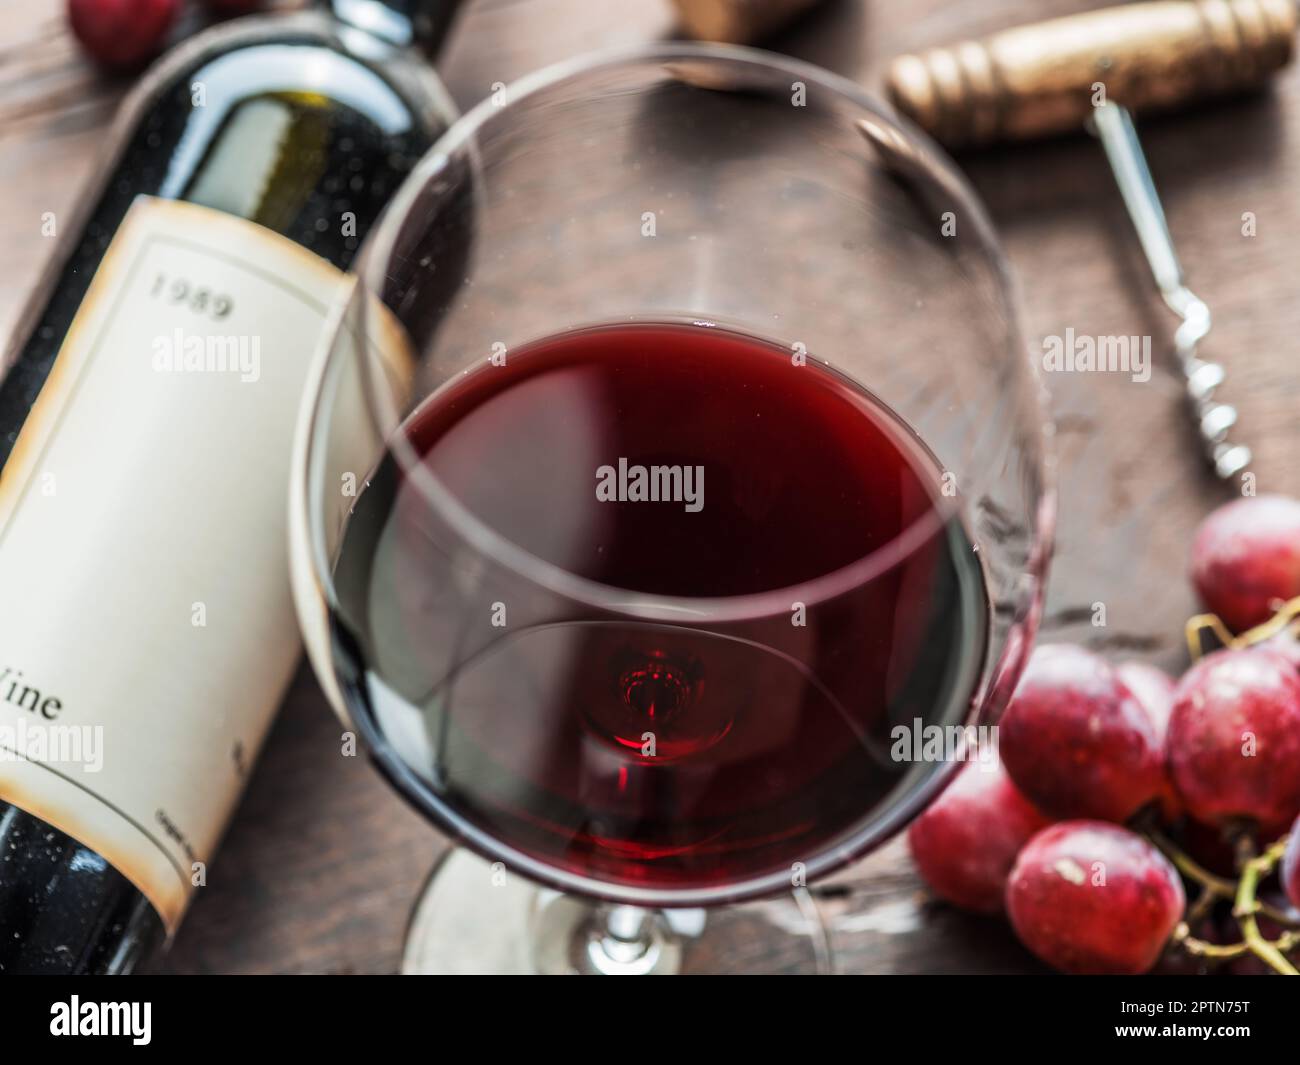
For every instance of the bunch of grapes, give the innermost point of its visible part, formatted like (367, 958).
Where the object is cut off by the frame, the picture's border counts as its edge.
(1130, 820)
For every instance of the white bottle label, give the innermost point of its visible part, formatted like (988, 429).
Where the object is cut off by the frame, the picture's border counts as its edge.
(147, 630)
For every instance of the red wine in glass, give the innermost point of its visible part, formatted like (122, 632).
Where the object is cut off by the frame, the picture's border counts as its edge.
(776, 587)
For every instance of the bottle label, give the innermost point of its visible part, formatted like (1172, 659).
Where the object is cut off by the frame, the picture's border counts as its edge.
(147, 630)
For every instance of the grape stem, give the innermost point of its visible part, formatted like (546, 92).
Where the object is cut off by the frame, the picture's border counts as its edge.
(1287, 618)
(1202, 949)
(1251, 867)
(1219, 886)
(1189, 867)
(1201, 907)
(1245, 909)
(1288, 941)
(1246, 906)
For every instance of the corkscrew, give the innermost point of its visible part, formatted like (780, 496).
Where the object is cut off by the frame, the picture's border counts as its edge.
(1092, 69)
(1114, 127)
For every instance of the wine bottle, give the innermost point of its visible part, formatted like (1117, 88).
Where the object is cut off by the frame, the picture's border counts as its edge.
(147, 631)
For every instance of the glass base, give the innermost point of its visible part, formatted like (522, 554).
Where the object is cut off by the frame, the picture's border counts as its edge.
(477, 918)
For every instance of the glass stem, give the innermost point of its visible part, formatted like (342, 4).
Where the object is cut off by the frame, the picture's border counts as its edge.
(628, 940)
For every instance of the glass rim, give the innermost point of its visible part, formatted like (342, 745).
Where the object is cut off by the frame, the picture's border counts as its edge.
(631, 603)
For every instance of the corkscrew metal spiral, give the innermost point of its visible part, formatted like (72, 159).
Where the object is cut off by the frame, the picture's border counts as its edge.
(1214, 420)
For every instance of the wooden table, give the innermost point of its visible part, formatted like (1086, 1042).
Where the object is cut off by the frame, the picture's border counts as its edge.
(323, 860)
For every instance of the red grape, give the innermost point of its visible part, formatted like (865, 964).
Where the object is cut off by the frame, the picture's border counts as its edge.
(1154, 689)
(967, 840)
(122, 34)
(1234, 739)
(1077, 742)
(1286, 644)
(1290, 872)
(1246, 559)
(1092, 897)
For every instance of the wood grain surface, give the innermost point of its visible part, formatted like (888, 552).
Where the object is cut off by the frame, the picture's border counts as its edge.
(322, 863)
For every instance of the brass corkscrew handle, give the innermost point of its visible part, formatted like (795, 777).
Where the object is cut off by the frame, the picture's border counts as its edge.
(1040, 79)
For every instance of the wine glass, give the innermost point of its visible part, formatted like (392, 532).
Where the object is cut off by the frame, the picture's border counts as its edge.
(654, 715)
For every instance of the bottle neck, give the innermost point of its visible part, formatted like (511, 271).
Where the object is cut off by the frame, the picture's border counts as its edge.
(421, 24)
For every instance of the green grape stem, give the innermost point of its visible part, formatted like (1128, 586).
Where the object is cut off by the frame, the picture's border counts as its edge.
(1246, 906)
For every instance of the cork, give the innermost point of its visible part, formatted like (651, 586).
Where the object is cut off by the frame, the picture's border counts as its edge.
(1047, 77)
